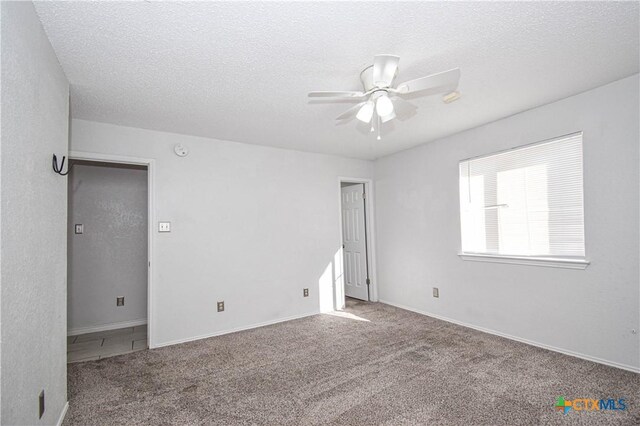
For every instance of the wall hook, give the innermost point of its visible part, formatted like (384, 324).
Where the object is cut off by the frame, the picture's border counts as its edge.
(57, 169)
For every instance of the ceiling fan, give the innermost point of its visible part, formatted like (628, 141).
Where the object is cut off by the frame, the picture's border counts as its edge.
(385, 102)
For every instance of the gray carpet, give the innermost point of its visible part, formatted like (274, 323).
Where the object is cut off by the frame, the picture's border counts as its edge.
(395, 368)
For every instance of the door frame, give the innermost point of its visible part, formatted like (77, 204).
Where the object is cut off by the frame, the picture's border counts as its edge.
(370, 233)
(150, 164)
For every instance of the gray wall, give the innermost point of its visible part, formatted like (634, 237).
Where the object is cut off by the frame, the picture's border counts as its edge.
(35, 115)
(590, 312)
(251, 225)
(109, 259)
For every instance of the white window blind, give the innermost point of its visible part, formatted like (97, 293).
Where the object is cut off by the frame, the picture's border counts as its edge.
(525, 202)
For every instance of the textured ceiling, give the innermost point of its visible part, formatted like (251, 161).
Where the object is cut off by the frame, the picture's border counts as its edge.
(241, 71)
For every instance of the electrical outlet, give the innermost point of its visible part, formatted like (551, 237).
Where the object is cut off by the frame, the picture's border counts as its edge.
(305, 292)
(221, 306)
(41, 404)
(120, 301)
(436, 292)
(164, 226)
(79, 228)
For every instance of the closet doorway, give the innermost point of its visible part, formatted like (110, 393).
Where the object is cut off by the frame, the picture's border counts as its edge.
(108, 259)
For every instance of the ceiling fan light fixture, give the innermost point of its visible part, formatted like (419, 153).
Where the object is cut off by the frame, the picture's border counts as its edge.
(388, 117)
(366, 112)
(384, 106)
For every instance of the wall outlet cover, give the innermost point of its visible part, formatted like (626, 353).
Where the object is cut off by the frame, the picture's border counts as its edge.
(79, 228)
(436, 292)
(305, 292)
(164, 226)
(221, 306)
(120, 301)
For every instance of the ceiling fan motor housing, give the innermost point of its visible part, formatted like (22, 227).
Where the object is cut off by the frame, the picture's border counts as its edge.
(366, 77)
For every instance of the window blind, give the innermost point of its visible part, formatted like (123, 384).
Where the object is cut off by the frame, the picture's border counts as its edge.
(525, 202)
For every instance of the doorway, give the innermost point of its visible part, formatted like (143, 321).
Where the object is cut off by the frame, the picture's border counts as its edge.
(358, 268)
(108, 259)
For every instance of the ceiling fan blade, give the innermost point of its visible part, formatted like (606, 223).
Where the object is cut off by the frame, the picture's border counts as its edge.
(385, 69)
(344, 94)
(403, 109)
(351, 112)
(446, 81)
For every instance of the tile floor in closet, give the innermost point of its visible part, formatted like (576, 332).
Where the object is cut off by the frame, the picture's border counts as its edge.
(103, 344)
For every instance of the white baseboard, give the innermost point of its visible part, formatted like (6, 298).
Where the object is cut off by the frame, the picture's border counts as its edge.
(233, 330)
(519, 339)
(63, 413)
(106, 327)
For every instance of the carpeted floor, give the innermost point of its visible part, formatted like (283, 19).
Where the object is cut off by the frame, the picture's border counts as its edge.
(374, 364)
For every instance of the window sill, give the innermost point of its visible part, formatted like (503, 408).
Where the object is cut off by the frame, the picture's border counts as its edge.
(530, 261)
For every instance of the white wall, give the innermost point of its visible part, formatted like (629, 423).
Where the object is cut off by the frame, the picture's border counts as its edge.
(35, 114)
(109, 259)
(590, 312)
(251, 225)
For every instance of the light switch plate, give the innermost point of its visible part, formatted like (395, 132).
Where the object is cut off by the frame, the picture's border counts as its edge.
(79, 228)
(164, 226)
(436, 292)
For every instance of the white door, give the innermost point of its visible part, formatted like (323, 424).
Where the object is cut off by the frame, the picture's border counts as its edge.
(354, 242)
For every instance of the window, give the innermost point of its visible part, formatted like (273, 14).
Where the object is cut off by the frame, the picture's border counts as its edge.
(526, 203)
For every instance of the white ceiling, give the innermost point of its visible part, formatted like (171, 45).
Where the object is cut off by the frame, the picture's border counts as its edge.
(241, 71)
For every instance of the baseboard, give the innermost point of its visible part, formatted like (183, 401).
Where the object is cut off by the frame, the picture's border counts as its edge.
(106, 327)
(519, 339)
(233, 330)
(63, 413)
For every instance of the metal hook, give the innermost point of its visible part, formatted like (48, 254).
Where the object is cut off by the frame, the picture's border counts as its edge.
(57, 169)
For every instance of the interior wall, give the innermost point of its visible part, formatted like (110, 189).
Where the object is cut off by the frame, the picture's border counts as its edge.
(109, 259)
(250, 225)
(34, 126)
(590, 312)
